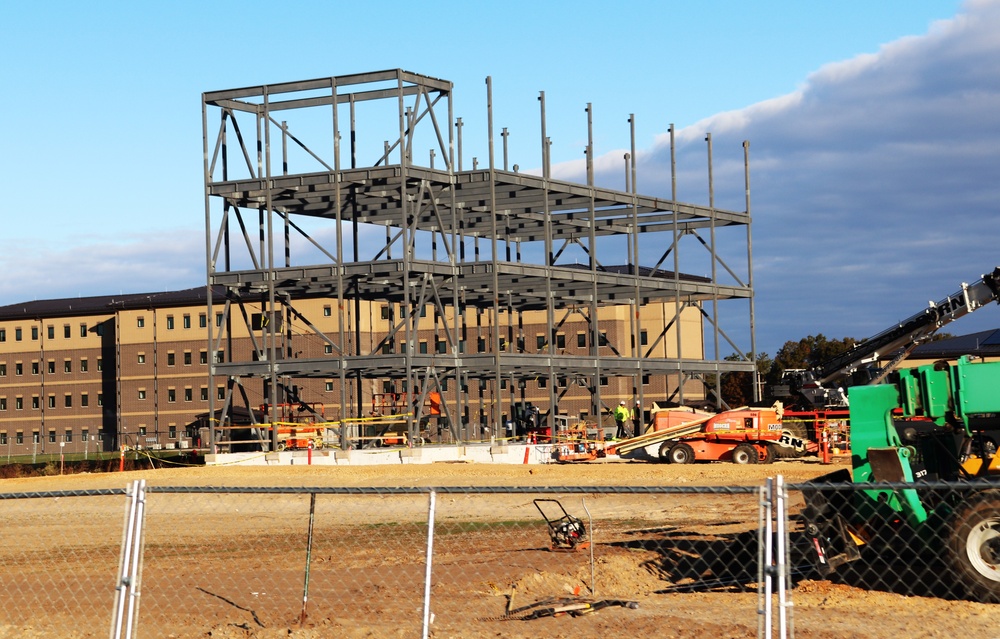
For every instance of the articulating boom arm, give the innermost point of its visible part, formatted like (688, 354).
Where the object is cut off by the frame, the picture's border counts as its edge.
(914, 330)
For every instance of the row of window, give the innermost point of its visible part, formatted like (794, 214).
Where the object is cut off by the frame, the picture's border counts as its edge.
(50, 332)
(140, 321)
(67, 367)
(186, 358)
(51, 401)
(36, 437)
(441, 345)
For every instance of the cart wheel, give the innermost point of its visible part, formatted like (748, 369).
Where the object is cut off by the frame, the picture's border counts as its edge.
(681, 454)
(974, 547)
(745, 454)
(281, 446)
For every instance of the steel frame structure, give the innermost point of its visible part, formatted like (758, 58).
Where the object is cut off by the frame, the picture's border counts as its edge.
(449, 235)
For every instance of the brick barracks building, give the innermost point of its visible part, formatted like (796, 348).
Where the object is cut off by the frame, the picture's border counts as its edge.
(98, 373)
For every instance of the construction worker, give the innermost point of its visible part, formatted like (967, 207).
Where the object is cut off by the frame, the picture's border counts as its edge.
(637, 419)
(621, 414)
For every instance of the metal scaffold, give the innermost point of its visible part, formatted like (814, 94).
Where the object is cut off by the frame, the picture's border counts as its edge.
(430, 277)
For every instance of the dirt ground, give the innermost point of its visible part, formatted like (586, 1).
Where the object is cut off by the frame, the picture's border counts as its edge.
(205, 555)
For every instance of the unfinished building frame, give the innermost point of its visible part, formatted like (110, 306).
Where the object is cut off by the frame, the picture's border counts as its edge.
(293, 211)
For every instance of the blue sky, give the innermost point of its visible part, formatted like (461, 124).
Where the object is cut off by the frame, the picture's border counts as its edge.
(873, 128)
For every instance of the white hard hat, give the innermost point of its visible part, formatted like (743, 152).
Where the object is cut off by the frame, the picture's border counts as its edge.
(623, 402)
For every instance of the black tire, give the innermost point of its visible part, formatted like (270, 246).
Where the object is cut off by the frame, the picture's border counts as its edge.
(769, 454)
(681, 453)
(974, 547)
(664, 452)
(791, 430)
(745, 454)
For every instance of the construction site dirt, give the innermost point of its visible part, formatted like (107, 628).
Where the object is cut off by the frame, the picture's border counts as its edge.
(491, 579)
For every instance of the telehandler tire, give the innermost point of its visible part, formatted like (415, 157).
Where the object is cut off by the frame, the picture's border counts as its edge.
(681, 453)
(745, 454)
(973, 547)
(664, 452)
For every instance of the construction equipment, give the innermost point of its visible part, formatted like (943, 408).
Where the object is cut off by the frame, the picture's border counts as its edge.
(300, 425)
(918, 426)
(566, 532)
(823, 386)
(574, 444)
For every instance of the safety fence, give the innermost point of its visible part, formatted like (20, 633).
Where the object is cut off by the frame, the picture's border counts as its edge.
(486, 562)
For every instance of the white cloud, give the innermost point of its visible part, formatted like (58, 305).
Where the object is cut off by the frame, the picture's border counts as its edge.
(875, 185)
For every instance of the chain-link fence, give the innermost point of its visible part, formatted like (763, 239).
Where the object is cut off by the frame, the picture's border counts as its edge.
(475, 562)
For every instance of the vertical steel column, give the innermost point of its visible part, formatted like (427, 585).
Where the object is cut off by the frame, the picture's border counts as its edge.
(592, 247)
(753, 322)
(677, 268)
(637, 387)
(338, 198)
(715, 280)
(209, 270)
(269, 341)
(404, 127)
(498, 371)
(550, 311)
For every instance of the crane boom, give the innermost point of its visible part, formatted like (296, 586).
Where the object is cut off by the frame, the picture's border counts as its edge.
(814, 387)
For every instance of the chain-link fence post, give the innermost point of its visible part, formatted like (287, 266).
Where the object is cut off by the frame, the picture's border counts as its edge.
(428, 618)
(125, 614)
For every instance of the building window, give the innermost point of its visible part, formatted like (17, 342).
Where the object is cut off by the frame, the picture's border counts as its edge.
(328, 386)
(221, 392)
(3, 403)
(645, 380)
(203, 357)
(204, 393)
(100, 399)
(52, 401)
(35, 402)
(218, 319)
(3, 438)
(560, 340)
(3, 369)
(441, 346)
(142, 429)
(34, 368)
(186, 320)
(68, 401)
(84, 401)
(540, 342)
(52, 366)
(141, 358)
(202, 320)
(3, 334)
(602, 338)
(52, 436)
(142, 393)
(542, 382)
(385, 312)
(327, 311)
(171, 431)
(100, 366)
(68, 436)
(51, 332)
(188, 395)
(171, 396)
(34, 333)
(83, 365)
(83, 330)
(220, 357)
(85, 435)
(170, 322)
(140, 322)
(19, 438)
(19, 368)
(187, 358)
(17, 334)
(68, 366)
(170, 358)
(581, 340)
(327, 349)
